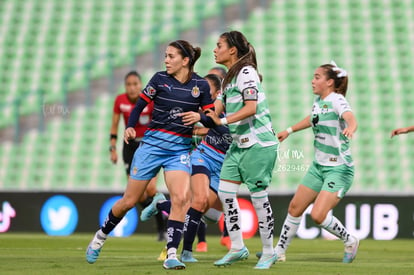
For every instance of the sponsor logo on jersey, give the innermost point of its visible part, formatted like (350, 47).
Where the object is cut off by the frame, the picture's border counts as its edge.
(195, 92)
(333, 159)
(249, 82)
(125, 108)
(174, 111)
(134, 170)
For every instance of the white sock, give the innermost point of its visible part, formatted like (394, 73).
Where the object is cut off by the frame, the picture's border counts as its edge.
(288, 232)
(172, 253)
(334, 226)
(228, 195)
(264, 213)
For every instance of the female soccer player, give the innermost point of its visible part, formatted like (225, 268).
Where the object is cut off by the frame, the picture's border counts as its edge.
(252, 154)
(166, 144)
(206, 162)
(123, 105)
(332, 171)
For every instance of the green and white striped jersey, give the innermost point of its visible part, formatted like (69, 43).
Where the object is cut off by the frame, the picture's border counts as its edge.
(256, 128)
(331, 146)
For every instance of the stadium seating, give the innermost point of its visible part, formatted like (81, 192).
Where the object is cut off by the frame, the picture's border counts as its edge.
(43, 42)
(371, 39)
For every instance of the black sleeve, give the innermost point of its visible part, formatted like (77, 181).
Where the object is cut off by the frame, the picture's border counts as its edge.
(207, 121)
(136, 112)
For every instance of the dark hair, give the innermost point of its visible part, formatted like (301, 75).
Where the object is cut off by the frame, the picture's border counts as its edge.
(221, 70)
(215, 79)
(187, 50)
(135, 73)
(245, 53)
(340, 83)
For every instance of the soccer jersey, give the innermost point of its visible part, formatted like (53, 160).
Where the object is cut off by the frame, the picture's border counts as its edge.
(124, 106)
(258, 127)
(216, 143)
(171, 97)
(331, 146)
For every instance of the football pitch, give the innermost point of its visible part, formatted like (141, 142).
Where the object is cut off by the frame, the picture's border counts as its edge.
(41, 254)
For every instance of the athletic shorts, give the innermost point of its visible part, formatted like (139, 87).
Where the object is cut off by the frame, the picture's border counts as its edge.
(203, 164)
(128, 151)
(252, 166)
(329, 178)
(146, 164)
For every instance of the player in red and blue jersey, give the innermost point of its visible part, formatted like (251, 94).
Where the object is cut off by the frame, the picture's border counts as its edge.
(123, 105)
(166, 144)
(206, 161)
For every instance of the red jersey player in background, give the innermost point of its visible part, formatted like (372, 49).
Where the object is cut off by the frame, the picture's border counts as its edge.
(124, 103)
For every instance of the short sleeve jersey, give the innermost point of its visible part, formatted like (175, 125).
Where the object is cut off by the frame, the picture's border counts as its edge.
(258, 127)
(331, 146)
(124, 106)
(171, 97)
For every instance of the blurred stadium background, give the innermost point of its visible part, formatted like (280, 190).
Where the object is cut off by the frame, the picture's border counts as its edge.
(63, 62)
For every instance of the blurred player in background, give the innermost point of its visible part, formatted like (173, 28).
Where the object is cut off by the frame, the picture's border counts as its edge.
(332, 171)
(252, 155)
(166, 144)
(124, 103)
(400, 131)
(219, 71)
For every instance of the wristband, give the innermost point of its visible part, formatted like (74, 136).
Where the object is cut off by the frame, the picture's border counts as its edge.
(113, 136)
(112, 148)
(223, 121)
(289, 130)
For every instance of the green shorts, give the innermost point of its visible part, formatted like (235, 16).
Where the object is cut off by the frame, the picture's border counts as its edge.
(252, 166)
(329, 178)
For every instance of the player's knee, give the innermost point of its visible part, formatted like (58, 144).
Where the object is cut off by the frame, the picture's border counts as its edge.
(200, 204)
(318, 218)
(294, 210)
(180, 200)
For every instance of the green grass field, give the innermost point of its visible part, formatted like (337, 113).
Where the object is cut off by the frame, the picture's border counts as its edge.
(41, 254)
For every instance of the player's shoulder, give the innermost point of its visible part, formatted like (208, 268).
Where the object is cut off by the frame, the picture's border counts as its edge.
(199, 80)
(121, 97)
(337, 98)
(248, 72)
(160, 75)
(196, 76)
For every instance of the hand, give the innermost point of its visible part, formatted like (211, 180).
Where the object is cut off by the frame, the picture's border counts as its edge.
(114, 157)
(129, 134)
(190, 118)
(281, 136)
(347, 133)
(399, 131)
(214, 116)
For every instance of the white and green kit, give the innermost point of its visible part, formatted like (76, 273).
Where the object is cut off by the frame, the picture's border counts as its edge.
(333, 167)
(252, 155)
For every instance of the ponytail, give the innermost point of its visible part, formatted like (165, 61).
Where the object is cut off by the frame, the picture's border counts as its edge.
(339, 75)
